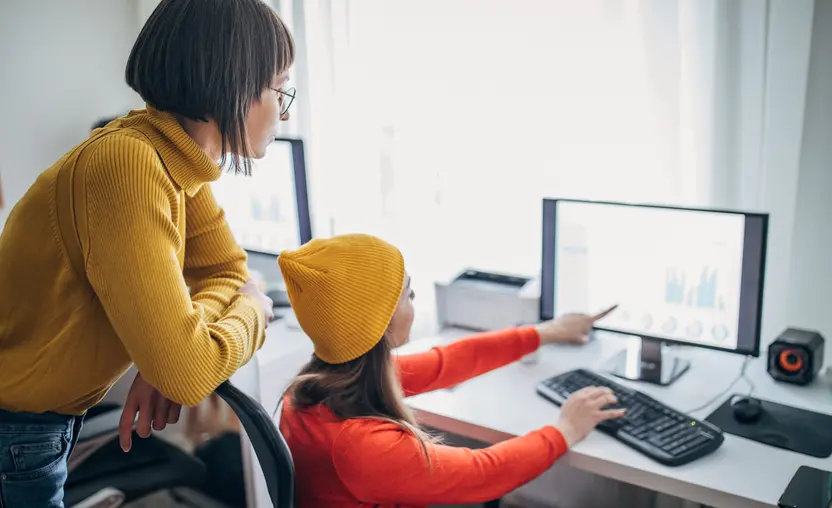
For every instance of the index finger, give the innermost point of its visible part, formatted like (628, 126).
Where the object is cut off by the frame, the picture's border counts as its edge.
(611, 414)
(125, 424)
(604, 313)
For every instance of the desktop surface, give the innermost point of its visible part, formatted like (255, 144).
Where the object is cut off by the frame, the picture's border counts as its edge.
(740, 474)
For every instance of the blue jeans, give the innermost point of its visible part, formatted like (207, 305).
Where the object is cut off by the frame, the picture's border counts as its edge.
(34, 449)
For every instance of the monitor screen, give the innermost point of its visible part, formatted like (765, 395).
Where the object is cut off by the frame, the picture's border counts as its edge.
(262, 209)
(680, 275)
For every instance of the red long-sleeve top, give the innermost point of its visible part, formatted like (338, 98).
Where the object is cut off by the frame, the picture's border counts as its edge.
(372, 463)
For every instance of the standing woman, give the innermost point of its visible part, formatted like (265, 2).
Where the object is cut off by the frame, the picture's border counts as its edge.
(118, 253)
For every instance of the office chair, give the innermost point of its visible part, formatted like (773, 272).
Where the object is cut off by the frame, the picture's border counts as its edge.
(269, 446)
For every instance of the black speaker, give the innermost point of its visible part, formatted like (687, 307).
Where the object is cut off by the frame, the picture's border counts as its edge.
(796, 356)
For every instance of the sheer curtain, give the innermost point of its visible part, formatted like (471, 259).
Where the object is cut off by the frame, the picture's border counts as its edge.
(440, 124)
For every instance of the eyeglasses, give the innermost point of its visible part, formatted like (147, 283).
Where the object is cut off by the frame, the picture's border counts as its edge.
(287, 96)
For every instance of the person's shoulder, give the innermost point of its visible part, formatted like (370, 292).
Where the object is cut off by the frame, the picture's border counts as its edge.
(315, 426)
(124, 147)
(318, 414)
(124, 158)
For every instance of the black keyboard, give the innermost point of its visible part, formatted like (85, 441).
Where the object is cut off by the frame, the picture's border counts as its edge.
(663, 434)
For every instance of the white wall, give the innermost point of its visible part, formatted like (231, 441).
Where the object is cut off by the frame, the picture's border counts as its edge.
(61, 68)
(810, 304)
(775, 178)
(144, 8)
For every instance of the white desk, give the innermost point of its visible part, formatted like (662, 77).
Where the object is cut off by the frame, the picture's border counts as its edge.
(503, 403)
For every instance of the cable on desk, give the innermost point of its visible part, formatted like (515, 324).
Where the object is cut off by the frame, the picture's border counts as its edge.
(740, 377)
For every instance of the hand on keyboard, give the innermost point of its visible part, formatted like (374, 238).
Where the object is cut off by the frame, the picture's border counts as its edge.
(585, 409)
(660, 432)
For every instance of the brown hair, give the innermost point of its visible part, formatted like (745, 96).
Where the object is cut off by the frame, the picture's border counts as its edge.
(367, 387)
(212, 59)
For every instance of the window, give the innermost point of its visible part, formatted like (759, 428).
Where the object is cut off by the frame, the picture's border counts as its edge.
(439, 125)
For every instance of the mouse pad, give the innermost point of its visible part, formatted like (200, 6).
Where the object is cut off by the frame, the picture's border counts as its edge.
(781, 426)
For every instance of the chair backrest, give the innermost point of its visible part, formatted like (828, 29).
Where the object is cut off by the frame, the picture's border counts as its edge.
(269, 446)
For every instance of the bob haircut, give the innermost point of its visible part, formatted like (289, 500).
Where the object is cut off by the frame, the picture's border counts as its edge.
(211, 59)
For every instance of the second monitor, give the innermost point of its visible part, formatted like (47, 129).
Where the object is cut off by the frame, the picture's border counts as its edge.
(678, 275)
(268, 211)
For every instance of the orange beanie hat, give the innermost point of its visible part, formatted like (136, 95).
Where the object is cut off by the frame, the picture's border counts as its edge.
(344, 291)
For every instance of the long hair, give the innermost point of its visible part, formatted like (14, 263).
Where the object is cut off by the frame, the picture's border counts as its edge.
(367, 387)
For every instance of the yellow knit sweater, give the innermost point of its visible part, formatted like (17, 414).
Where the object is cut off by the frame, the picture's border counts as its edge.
(151, 284)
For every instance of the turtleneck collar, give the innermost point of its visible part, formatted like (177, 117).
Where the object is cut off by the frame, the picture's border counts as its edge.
(188, 164)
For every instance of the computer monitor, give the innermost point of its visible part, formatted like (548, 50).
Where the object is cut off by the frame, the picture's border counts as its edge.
(678, 275)
(268, 211)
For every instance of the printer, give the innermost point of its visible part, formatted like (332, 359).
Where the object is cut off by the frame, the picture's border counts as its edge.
(483, 301)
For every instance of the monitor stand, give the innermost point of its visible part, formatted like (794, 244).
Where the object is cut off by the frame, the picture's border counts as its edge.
(648, 362)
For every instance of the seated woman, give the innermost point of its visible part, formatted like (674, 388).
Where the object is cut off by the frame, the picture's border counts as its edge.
(353, 439)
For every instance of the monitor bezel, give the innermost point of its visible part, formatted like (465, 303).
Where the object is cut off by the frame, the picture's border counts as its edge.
(549, 258)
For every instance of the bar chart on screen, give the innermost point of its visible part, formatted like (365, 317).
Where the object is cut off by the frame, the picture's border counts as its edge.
(693, 291)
